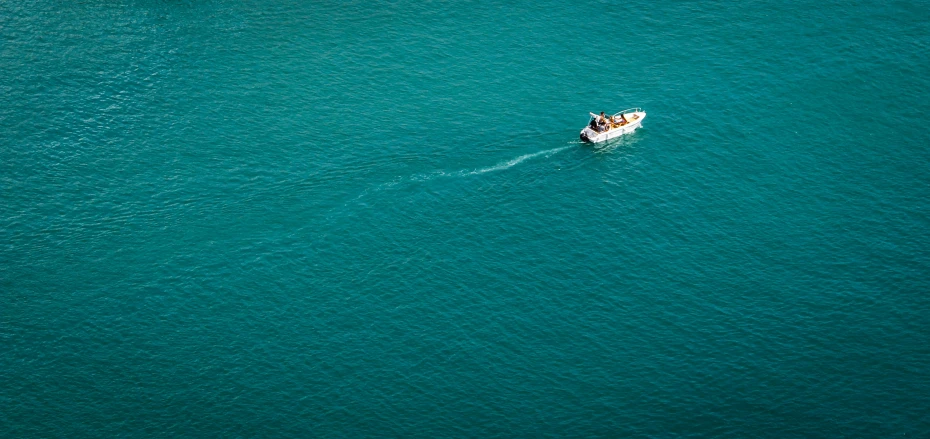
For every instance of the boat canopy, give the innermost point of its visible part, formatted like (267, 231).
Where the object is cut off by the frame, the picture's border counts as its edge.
(627, 111)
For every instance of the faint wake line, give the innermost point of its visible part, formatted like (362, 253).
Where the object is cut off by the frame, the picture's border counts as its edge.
(513, 162)
(463, 173)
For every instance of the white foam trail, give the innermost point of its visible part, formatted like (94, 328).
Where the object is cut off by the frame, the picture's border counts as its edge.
(513, 162)
(419, 178)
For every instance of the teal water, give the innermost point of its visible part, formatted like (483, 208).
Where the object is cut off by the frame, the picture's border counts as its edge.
(373, 219)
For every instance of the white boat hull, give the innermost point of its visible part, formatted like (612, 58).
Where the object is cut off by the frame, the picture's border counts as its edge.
(634, 121)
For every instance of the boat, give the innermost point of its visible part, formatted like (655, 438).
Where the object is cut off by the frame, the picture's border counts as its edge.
(622, 123)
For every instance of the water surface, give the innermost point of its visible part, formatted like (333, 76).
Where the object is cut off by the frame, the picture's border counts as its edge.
(356, 219)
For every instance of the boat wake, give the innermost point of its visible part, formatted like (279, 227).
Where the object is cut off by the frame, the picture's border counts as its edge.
(423, 177)
(511, 163)
(469, 172)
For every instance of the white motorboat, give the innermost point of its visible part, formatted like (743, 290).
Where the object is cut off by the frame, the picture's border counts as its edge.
(615, 126)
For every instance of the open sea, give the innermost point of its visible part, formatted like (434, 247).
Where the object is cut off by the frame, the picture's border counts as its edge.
(318, 219)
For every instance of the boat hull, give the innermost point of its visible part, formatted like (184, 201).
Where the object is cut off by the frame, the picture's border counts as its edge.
(635, 121)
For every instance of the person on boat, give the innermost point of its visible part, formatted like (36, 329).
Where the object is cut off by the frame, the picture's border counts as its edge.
(602, 122)
(623, 120)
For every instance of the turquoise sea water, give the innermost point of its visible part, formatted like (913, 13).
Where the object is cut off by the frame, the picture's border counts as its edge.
(373, 219)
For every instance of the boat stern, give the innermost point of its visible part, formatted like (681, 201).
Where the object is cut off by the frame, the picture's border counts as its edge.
(588, 135)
